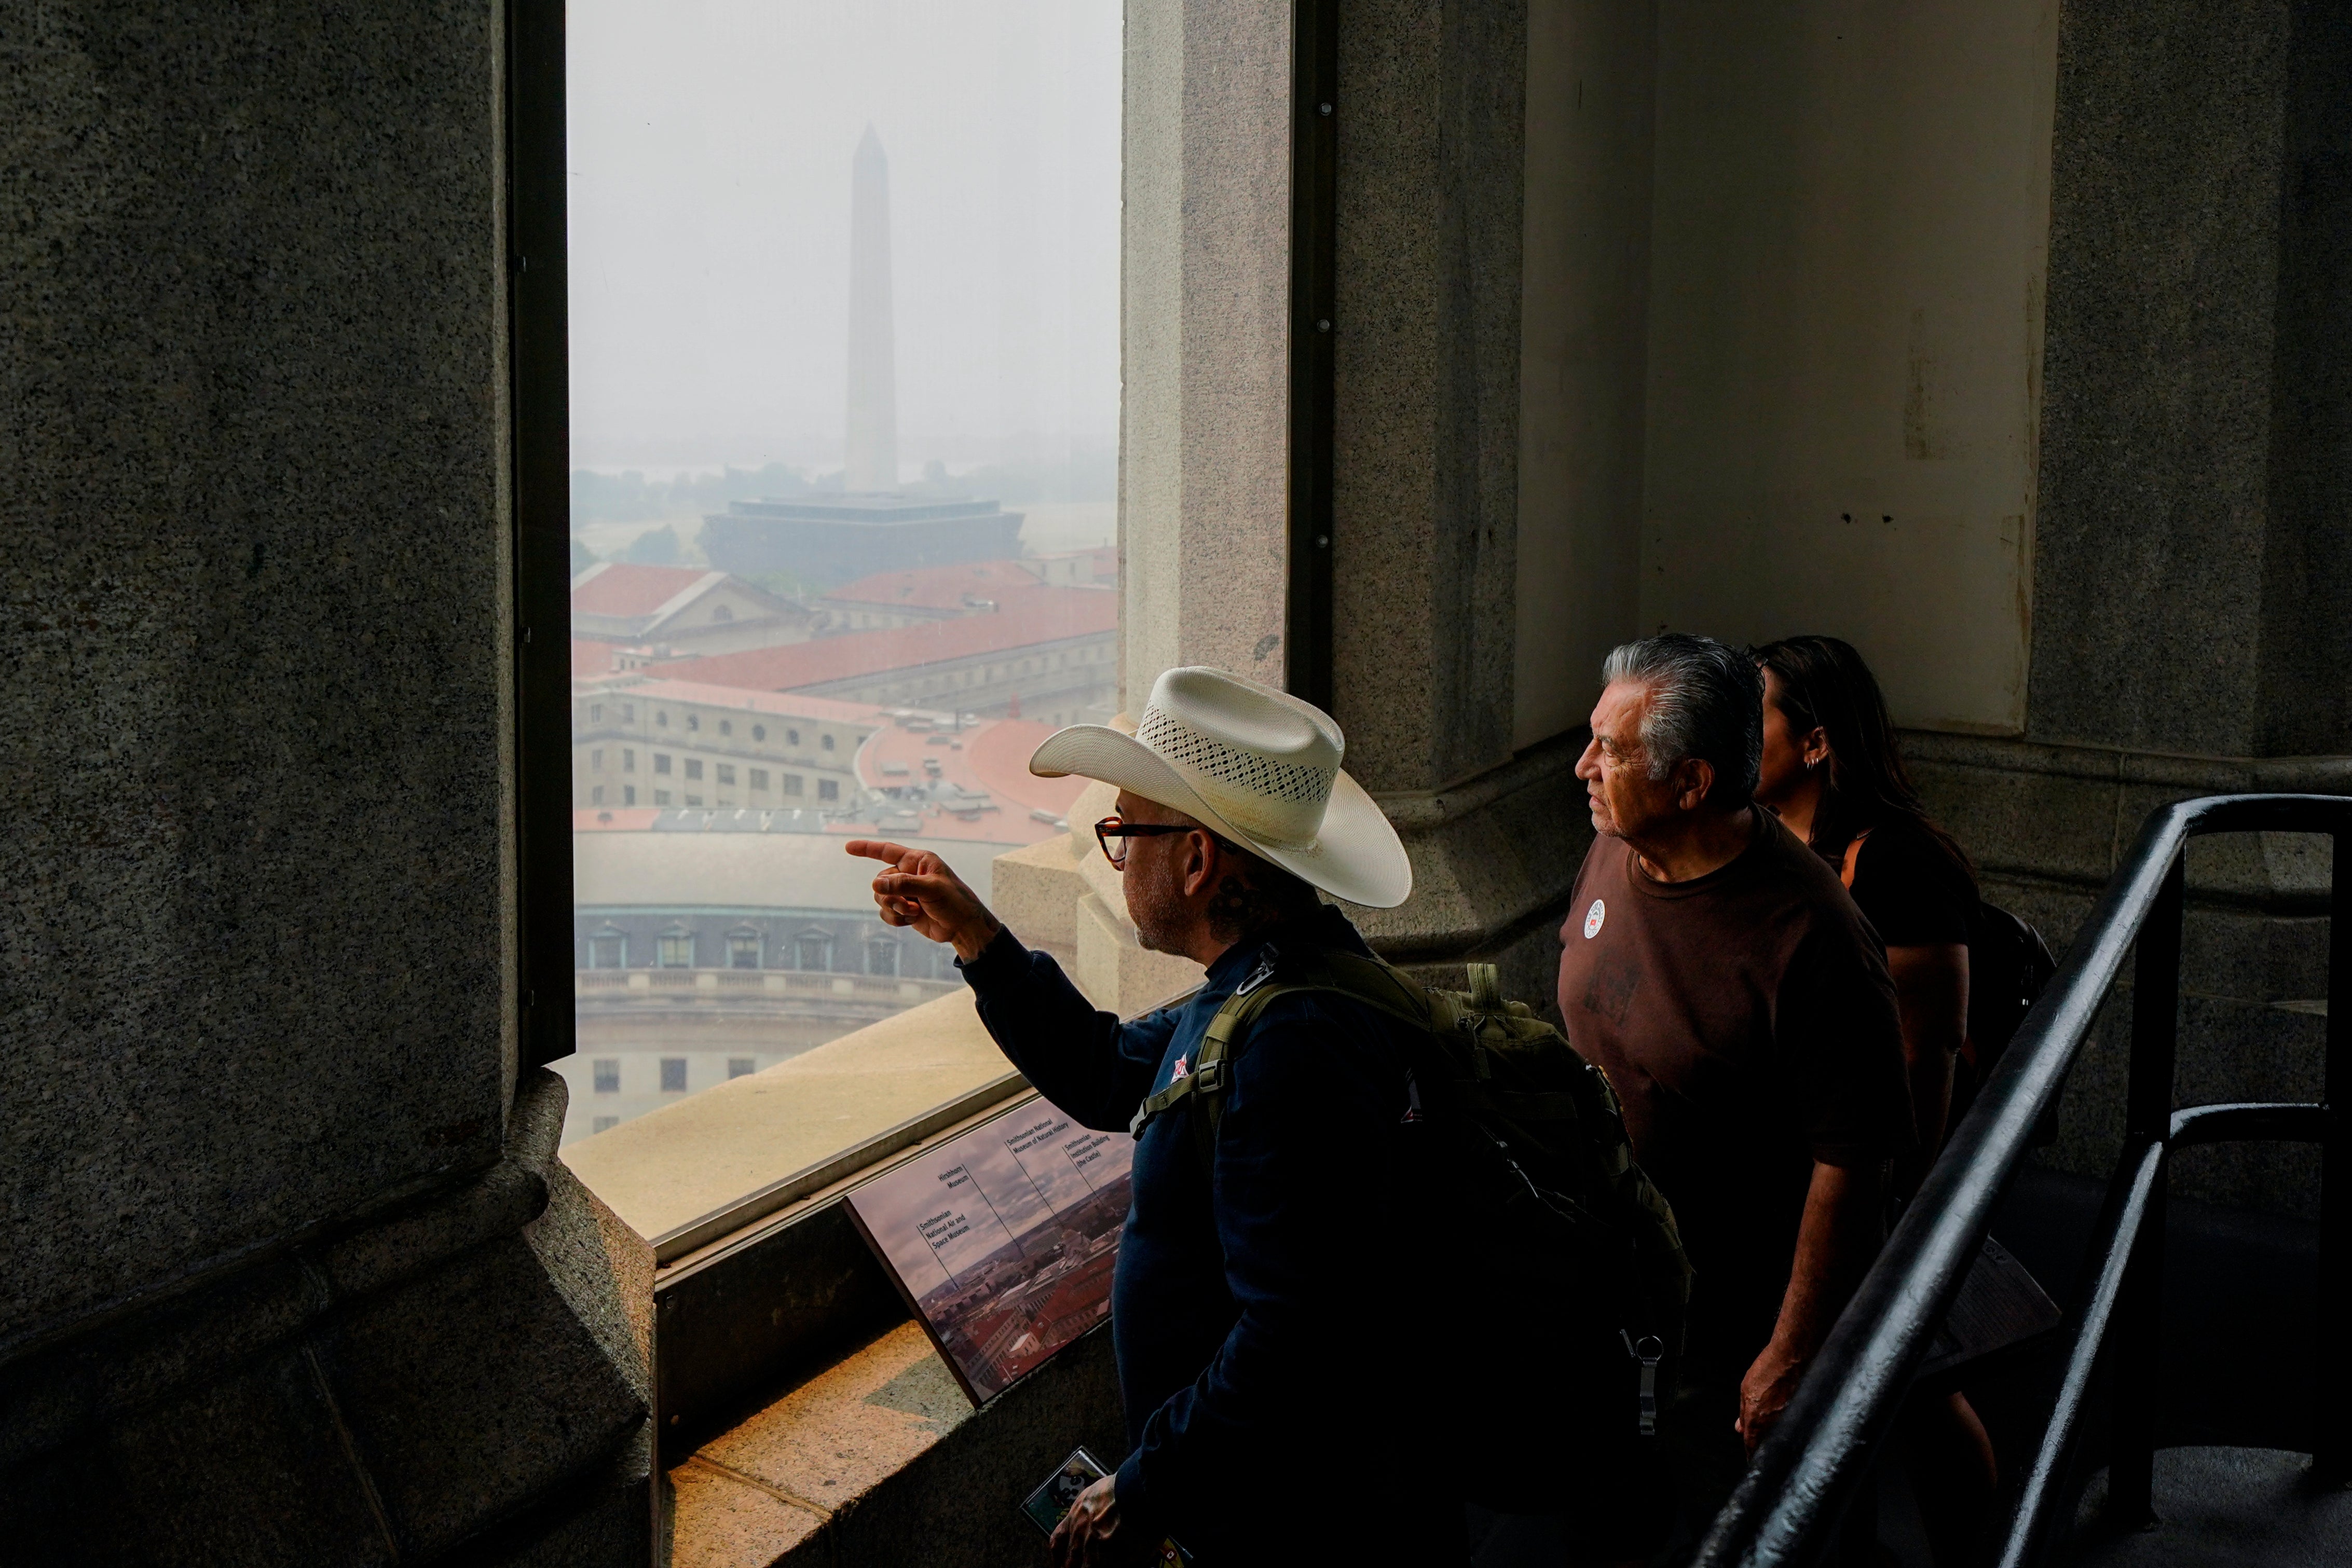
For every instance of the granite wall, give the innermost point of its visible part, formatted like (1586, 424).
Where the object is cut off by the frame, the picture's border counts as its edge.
(254, 1010)
(2192, 611)
(2191, 587)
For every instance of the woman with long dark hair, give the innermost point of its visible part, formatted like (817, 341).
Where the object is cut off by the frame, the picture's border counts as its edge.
(1833, 771)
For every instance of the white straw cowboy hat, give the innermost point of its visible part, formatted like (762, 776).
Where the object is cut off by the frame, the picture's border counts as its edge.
(1252, 765)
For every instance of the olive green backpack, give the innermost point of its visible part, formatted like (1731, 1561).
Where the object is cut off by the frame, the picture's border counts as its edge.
(1569, 1265)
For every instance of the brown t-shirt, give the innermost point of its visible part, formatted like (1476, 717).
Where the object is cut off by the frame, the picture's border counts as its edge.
(1748, 1026)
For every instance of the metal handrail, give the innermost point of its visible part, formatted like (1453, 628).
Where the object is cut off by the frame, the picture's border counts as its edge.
(1786, 1513)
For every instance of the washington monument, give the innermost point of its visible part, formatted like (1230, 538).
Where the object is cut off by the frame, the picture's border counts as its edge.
(871, 460)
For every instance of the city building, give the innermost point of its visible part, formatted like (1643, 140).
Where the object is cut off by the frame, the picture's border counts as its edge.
(653, 743)
(838, 538)
(904, 597)
(1043, 653)
(709, 945)
(683, 608)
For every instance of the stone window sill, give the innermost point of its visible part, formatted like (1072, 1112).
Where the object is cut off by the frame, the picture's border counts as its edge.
(880, 1459)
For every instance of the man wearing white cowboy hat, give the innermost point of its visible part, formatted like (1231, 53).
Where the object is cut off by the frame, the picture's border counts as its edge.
(1262, 1307)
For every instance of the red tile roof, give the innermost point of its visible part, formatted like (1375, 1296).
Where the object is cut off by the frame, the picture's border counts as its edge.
(591, 658)
(992, 755)
(788, 705)
(937, 587)
(1023, 617)
(613, 819)
(620, 589)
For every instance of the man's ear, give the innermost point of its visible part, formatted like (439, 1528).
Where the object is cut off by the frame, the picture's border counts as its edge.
(1694, 780)
(1200, 861)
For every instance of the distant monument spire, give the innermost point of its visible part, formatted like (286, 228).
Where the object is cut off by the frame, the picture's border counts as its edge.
(871, 461)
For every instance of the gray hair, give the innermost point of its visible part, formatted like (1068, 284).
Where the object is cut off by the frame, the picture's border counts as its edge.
(1706, 701)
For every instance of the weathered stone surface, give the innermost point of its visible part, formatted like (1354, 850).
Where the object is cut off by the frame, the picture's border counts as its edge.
(718, 1520)
(252, 912)
(2190, 567)
(883, 1451)
(1426, 423)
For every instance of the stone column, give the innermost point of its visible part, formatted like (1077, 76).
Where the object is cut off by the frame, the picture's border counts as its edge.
(2193, 583)
(286, 1223)
(1204, 338)
(2192, 571)
(1433, 222)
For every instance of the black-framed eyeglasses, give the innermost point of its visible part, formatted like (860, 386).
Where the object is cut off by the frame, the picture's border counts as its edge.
(1120, 827)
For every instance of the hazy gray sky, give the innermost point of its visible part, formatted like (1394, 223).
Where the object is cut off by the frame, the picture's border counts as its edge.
(710, 145)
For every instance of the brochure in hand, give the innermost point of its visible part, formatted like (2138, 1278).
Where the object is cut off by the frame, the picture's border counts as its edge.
(1003, 1239)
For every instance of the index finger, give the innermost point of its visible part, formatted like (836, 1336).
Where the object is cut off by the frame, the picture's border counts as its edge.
(877, 850)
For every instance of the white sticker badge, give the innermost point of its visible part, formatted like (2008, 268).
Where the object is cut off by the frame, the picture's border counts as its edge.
(1592, 919)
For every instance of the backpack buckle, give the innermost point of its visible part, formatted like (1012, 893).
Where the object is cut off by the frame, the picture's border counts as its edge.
(1649, 1350)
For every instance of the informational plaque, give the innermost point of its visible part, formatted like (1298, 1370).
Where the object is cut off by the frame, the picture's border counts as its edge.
(1002, 1239)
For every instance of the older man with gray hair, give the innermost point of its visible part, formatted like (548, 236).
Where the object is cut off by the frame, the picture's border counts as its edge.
(1714, 966)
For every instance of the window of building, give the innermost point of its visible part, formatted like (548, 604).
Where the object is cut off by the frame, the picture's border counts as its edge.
(692, 133)
(608, 1075)
(673, 1074)
(609, 949)
(605, 1123)
(740, 1067)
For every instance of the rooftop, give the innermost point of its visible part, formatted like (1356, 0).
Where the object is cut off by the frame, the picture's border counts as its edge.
(744, 699)
(1023, 617)
(981, 766)
(591, 658)
(617, 588)
(939, 587)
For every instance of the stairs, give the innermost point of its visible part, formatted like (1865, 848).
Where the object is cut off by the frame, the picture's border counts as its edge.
(2222, 1507)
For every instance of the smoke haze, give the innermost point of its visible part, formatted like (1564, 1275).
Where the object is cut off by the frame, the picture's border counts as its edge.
(709, 192)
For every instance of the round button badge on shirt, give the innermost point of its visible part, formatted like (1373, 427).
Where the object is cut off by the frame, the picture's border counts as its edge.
(1592, 919)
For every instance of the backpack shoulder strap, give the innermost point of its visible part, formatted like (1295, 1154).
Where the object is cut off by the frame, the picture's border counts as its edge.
(1367, 980)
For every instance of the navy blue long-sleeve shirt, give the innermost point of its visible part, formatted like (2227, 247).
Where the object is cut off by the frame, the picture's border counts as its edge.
(1264, 1311)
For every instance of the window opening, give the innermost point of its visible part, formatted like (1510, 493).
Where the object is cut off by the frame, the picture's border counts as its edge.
(916, 390)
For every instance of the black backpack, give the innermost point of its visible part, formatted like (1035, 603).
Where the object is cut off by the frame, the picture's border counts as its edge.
(1564, 1258)
(2009, 966)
